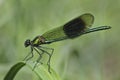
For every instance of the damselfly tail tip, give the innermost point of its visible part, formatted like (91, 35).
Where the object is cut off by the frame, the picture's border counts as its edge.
(107, 27)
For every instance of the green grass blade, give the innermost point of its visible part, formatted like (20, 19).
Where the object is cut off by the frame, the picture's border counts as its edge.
(13, 71)
(41, 71)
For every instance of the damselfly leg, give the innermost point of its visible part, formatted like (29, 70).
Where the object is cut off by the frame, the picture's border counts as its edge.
(40, 50)
(49, 54)
(30, 53)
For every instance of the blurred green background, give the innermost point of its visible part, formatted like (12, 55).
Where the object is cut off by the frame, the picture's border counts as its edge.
(94, 56)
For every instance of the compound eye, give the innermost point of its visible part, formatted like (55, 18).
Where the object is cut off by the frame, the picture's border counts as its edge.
(27, 43)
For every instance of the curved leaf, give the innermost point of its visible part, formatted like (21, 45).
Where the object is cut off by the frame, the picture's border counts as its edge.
(41, 71)
(13, 71)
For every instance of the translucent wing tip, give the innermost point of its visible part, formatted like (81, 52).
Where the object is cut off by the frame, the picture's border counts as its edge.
(88, 19)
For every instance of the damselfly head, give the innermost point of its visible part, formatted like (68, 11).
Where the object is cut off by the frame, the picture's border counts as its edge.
(27, 43)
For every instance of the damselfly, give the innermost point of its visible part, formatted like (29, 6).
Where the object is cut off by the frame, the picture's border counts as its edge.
(74, 28)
